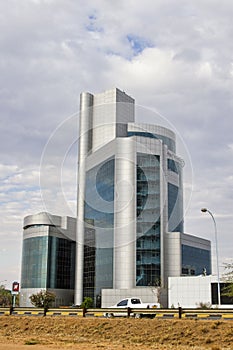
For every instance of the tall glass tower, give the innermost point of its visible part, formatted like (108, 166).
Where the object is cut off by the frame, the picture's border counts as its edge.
(130, 201)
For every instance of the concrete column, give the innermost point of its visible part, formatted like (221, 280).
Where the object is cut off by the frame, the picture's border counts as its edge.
(84, 144)
(125, 215)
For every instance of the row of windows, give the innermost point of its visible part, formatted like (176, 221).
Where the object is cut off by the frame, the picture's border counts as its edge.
(148, 275)
(152, 244)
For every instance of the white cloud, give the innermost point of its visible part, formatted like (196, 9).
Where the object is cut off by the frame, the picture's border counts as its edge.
(205, 71)
(7, 170)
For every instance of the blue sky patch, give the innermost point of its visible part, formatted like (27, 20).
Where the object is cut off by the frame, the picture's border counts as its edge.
(137, 43)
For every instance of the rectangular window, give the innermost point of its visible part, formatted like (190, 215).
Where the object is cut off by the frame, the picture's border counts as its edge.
(194, 260)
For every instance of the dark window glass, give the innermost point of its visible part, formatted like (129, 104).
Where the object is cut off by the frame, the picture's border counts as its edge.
(61, 263)
(194, 260)
(225, 300)
(123, 303)
(89, 265)
(175, 210)
(173, 166)
(148, 220)
(135, 301)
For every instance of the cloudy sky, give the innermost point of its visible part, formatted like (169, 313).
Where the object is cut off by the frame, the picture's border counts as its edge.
(174, 57)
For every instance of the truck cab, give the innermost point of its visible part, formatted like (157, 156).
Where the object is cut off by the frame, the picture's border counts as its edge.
(132, 303)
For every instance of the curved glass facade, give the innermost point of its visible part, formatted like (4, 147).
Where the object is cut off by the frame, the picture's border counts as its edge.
(48, 262)
(34, 262)
(99, 196)
(148, 220)
(99, 217)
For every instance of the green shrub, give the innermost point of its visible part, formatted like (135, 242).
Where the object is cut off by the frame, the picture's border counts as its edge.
(87, 303)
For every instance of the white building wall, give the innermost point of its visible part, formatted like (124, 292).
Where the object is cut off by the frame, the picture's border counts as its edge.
(189, 291)
(110, 108)
(172, 254)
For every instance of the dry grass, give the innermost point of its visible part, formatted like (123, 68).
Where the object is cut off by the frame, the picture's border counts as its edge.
(121, 333)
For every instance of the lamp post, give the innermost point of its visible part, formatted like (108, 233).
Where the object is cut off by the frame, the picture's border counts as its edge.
(205, 210)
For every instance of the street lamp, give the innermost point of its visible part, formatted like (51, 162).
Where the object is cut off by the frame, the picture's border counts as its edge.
(205, 210)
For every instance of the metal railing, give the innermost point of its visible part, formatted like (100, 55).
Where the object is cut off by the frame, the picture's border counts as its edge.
(126, 312)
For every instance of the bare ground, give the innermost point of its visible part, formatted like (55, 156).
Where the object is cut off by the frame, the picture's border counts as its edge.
(42, 333)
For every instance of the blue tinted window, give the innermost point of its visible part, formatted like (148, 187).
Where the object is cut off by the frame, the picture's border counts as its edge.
(34, 262)
(104, 181)
(194, 260)
(99, 195)
(48, 262)
(175, 211)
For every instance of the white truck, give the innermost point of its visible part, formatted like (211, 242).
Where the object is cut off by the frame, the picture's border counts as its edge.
(131, 303)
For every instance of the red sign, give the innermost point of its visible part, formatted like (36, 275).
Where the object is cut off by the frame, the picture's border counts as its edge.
(15, 287)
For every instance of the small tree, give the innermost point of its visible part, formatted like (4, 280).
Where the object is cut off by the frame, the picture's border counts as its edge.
(5, 296)
(87, 303)
(43, 299)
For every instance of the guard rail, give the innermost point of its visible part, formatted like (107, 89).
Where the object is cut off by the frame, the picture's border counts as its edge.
(224, 314)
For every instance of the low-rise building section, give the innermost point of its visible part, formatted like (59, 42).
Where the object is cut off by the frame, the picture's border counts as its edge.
(48, 257)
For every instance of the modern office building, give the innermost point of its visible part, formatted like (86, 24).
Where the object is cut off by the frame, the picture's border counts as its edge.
(130, 230)
(48, 257)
